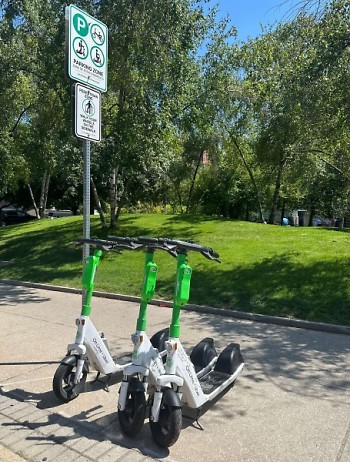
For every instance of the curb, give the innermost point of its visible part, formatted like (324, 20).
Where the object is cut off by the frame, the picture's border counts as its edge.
(247, 316)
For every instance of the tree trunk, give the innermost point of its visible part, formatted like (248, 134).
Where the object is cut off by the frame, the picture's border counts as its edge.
(276, 194)
(113, 196)
(121, 202)
(44, 193)
(312, 214)
(98, 203)
(193, 181)
(251, 176)
(283, 211)
(33, 200)
(179, 197)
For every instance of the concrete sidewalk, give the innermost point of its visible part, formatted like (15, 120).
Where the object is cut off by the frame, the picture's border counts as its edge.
(290, 404)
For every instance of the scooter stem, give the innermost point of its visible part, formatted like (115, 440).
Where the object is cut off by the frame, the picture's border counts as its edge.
(148, 289)
(88, 280)
(182, 293)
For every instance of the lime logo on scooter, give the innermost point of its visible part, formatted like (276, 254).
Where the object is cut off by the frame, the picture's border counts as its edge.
(189, 370)
(99, 350)
(191, 376)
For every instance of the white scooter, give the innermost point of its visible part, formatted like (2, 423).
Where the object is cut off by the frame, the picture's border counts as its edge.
(139, 377)
(182, 383)
(90, 348)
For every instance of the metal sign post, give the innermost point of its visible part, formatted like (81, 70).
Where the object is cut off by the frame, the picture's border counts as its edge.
(86, 196)
(86, 62)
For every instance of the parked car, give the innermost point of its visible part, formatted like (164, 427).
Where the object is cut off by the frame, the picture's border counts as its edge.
(14, 216)
(54, 213)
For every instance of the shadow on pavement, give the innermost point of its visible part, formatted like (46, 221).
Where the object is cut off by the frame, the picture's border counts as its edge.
(15, 295)
(98, 430)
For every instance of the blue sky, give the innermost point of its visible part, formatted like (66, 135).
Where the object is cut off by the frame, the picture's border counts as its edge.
(247, 15)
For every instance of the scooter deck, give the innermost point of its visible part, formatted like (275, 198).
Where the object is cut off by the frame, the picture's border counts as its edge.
(212, 381)
(123, 360)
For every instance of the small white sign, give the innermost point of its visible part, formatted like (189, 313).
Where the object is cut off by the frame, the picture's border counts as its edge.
(87, 49)
(87, 113)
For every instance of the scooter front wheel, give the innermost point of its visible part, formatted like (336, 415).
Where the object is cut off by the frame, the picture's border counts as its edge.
(63, 381)
(167, 430)
(131, 419)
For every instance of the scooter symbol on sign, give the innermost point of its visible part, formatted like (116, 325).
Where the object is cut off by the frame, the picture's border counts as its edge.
(81, 50)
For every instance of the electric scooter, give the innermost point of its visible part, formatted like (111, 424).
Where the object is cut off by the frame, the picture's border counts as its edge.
(139, 377)
(90, 347)
(181, 383)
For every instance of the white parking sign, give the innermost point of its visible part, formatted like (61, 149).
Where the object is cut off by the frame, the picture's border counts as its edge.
(87, 49)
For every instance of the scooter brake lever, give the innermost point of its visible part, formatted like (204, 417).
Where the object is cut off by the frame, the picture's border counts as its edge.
(210, 257)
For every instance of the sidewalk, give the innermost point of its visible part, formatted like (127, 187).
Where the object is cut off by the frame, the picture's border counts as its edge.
(290, 404)
(9, 456)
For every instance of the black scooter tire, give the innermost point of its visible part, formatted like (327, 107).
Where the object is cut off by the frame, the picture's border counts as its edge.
(167, 430)
(62, 384)
(131, 420)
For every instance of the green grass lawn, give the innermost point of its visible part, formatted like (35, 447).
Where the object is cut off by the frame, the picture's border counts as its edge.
(283, 271)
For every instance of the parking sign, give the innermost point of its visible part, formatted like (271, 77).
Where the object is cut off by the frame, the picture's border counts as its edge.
(87, 49)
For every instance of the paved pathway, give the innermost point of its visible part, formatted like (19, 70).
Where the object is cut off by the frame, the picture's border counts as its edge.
(290, 404)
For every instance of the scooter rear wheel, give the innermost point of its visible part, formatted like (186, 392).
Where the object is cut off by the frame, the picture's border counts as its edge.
(63, 382)
(131, 419)
(167, 430)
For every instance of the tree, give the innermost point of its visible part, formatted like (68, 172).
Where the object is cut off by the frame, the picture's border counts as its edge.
(153, 78)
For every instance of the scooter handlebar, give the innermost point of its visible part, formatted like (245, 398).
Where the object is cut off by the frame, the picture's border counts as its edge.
(155, 243)
(108, 245)
(174, 247)
(122, 240)
(207, 252)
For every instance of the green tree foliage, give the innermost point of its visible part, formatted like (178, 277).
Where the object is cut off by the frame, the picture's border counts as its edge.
(271, 114)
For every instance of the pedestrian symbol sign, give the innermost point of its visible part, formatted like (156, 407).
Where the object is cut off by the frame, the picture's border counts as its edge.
(87, 49)
(87, 120)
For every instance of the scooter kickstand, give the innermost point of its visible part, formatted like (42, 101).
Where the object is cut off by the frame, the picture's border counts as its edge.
(106, 388)
(106, 383)
(200, 427)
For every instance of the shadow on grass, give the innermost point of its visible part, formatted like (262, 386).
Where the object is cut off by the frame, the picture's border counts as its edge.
(175, 227)
(274, 286)
(38, 255)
